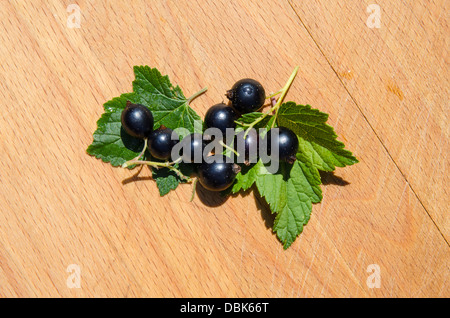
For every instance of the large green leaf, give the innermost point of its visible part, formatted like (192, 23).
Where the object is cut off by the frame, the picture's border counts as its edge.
(317, 140)
(290, 193)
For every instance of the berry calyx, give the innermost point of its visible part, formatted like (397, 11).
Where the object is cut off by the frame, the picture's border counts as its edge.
(246, 95)
(161, 141)
(220, 116)
(286, 143)
(217, 175)
(137, 120)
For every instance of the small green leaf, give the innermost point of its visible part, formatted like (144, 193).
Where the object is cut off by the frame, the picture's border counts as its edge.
(166, 180)
(167, 103)
(246, 177)
(111, 143)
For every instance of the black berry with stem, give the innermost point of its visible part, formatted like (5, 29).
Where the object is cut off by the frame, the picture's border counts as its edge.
(247, 147)
(220, 116)
(286, 142)
(161, 141)
(217, 175)
(137, 120)
(246, 95)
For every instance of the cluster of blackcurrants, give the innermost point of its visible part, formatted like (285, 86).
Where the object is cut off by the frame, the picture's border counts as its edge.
(246, 95)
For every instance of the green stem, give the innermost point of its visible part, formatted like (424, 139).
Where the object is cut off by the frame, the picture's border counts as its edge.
(153, 164)
(157, 165)
(189, 100)
(275, 108)
(283, 94)
(180, 174)
(274, 94)
(228, 147)
(194, 184)
(241, 123)
(132, 161)
(143, 150)
(176, 161)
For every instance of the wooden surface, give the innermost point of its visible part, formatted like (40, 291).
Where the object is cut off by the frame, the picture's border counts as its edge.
(386, 90)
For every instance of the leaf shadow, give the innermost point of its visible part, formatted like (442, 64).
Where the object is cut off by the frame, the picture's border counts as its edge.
(266, 214)
(264, 208)
(328, 177)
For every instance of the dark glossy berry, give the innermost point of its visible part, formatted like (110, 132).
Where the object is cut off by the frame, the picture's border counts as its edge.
(246, 96)
(285, 140)
(137, 120)
(160, 143)
(217, 176)
(220, 116)
(193, 148)
(247, 148)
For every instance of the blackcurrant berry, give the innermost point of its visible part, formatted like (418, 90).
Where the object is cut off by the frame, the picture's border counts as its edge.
(247, 148)
(217, 176)
(161, 141)
(137, 120)
(285, 140)
(246, 95)
(220, 116)
(193, 147)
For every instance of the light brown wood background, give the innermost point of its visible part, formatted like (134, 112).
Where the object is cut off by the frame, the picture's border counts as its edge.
(386, 90)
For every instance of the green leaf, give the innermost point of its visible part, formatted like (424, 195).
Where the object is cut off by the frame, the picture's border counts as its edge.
(247, 119)
(111, 143)
(167, 103)
(166, 180)
(290, 193)
(246, 177)
(169, 108)
(317, 140)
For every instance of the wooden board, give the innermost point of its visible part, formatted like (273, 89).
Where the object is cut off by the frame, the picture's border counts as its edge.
(386, 90)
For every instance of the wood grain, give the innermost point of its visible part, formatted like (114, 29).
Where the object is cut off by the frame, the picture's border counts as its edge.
(60, 206)
(400, 83)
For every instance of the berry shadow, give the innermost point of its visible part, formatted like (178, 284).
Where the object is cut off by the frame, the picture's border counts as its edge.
(215, 199)
(131, 143)
(210, 198)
